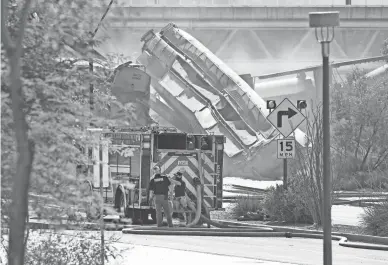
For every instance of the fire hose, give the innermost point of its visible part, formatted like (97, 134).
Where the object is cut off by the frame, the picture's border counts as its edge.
(197, 184)
(230, 229)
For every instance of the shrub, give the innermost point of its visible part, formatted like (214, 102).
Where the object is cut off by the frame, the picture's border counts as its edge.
(57, 249)
(285, 206)
(374, 180)
(375, 219)
(245, 205)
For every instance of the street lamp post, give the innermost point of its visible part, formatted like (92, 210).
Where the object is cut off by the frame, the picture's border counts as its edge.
(325, 23)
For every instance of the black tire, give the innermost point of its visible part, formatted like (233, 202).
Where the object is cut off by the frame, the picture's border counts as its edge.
(121, 202)
(128, 212)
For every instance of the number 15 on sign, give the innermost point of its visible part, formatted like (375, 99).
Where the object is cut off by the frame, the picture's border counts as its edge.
(286, 148)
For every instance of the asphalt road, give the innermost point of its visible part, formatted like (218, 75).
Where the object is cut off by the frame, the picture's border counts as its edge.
(286, 250)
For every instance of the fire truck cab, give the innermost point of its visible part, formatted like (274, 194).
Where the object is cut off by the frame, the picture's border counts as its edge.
(126, 156)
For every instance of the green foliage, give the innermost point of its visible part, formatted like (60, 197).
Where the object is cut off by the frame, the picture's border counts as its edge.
(374, 180)
(360, 127)
(57, 249)
(286, 205)
(56, 97)
(245, 205)
(306, 183)
(375, 219)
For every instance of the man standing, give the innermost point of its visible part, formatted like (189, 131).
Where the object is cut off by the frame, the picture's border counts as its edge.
(159, 189)
(181, 197)
(180, 190)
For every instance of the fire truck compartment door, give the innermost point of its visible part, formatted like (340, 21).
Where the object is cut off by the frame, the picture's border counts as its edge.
(100, 166)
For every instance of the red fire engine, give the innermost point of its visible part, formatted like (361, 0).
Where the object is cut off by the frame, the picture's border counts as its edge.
(126, 156)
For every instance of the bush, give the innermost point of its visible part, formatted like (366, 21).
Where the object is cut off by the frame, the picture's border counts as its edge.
(57, 249)
(374, 180)
(285, 206)
(375, 219)
(245, 205)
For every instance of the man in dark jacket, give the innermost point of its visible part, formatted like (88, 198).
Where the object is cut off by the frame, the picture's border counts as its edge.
(159, 189)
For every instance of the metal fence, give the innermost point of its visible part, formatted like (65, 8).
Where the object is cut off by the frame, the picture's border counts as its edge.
(258, 3)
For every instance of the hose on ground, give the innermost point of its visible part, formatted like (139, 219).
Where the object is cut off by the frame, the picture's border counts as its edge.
(231, 229)
(199, 203)
(343, 241)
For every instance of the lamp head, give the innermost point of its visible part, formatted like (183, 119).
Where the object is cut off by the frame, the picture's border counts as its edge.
(326, 22)
(324, 19)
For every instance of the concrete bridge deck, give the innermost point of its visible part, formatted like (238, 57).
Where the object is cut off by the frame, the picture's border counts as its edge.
(241, 17)
(249, 36)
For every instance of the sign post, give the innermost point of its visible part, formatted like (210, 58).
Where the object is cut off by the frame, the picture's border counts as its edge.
(286, 150)
(285, 173)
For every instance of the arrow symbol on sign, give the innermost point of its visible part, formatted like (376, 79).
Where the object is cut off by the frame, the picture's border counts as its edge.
(290, 113)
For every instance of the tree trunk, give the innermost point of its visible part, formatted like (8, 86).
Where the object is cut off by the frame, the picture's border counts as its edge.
(24, 147)
(358, 141)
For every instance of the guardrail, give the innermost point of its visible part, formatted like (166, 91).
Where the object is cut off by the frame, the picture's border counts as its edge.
(256, 3)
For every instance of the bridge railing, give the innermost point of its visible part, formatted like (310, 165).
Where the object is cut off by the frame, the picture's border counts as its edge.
(258, 3)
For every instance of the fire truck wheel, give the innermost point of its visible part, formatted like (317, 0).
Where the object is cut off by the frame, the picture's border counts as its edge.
(121, 203)
(128, 212)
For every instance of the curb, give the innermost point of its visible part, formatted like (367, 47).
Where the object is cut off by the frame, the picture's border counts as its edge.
(81, 227)
(248, 232)
(351, 237)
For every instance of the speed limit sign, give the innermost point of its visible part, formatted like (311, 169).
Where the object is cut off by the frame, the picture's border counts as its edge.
(286, 148)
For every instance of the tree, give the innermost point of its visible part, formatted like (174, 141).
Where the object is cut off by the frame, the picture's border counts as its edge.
(44, 114)
(307, 171)
(360, 113)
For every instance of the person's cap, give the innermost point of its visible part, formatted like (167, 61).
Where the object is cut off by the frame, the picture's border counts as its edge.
(178, 174)
(156, 168)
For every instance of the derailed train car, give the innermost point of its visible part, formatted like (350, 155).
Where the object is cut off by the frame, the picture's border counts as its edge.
(214, 99)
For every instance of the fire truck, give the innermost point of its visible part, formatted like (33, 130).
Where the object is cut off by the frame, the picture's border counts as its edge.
(126, 156)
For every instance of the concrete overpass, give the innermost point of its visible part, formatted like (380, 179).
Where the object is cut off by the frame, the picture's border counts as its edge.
(249, 36)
